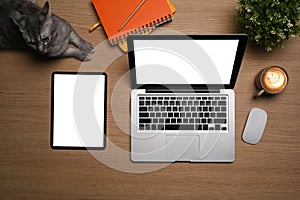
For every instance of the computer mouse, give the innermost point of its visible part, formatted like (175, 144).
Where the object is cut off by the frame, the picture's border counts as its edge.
(255, 126)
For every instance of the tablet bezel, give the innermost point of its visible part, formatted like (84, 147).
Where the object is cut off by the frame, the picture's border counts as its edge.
(52, 112)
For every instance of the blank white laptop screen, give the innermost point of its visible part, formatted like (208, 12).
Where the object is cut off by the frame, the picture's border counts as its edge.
(78, 110)
(184, 61)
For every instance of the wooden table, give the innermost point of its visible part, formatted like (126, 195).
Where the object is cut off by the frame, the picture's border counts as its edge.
(29, 168)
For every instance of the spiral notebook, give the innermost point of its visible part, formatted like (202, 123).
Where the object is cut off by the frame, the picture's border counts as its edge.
(113, 13)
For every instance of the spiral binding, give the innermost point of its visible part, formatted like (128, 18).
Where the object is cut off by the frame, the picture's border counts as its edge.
(151, 25)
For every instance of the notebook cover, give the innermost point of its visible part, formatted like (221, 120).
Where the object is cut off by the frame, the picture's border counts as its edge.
(113, 13)
(123, 44)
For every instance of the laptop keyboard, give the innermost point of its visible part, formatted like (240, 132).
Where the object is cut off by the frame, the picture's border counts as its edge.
(201, 113)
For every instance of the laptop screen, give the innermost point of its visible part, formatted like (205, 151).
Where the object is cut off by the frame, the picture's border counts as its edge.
(184, 61)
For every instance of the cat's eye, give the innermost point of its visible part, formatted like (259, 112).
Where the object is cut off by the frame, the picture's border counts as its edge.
(46, 40)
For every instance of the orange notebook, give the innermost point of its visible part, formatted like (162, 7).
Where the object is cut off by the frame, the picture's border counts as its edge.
(113, 13)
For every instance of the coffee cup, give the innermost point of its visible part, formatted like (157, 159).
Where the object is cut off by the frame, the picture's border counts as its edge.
(271, 80)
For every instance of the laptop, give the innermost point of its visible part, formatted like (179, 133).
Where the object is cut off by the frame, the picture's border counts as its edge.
(182, 99)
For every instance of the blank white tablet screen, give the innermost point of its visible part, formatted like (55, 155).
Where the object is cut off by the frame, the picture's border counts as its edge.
(79, 110)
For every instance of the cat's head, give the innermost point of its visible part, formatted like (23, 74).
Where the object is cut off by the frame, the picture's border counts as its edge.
(37, 29)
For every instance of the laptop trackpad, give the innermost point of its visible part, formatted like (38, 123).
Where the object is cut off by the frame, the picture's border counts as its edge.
(182, 147)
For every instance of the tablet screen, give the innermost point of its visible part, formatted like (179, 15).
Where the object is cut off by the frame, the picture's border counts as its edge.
(78, 110)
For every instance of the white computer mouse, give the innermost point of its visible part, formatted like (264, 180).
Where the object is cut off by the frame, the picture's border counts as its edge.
(255, 126)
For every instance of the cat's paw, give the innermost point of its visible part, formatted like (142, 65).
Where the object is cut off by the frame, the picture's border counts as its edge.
(85, 57)
(88, 48)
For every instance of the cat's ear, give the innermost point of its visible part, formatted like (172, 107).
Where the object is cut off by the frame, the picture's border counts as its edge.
(45, 12)
(18, 19)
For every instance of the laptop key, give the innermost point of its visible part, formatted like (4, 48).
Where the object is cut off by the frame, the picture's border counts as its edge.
(212, 114)
(199, 127)
(147, 127)
(219, 121)
(160, 127)
(209, 121)
(168, 120)
(141, 127)
(179, 127)
(145, 120)
(222, 103)
(153, 127)
(143, 109)
(221, 114)
(205, 127)
(144, 114)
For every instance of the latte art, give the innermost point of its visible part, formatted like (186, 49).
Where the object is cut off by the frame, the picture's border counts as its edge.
(274, 79)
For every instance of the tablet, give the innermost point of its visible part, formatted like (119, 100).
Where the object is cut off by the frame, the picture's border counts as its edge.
(78, 110)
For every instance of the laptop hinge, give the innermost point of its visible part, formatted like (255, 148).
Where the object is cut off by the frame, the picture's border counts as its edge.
(177, 90)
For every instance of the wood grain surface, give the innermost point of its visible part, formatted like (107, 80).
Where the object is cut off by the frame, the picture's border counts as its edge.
(30, 169)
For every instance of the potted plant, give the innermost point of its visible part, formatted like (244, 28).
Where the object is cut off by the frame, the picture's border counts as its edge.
(269, 22)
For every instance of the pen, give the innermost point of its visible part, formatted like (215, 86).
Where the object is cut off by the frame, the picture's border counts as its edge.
(131, 15)
(94, 26)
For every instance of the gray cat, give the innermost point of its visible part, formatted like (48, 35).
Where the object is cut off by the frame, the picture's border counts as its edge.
(24, 25)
